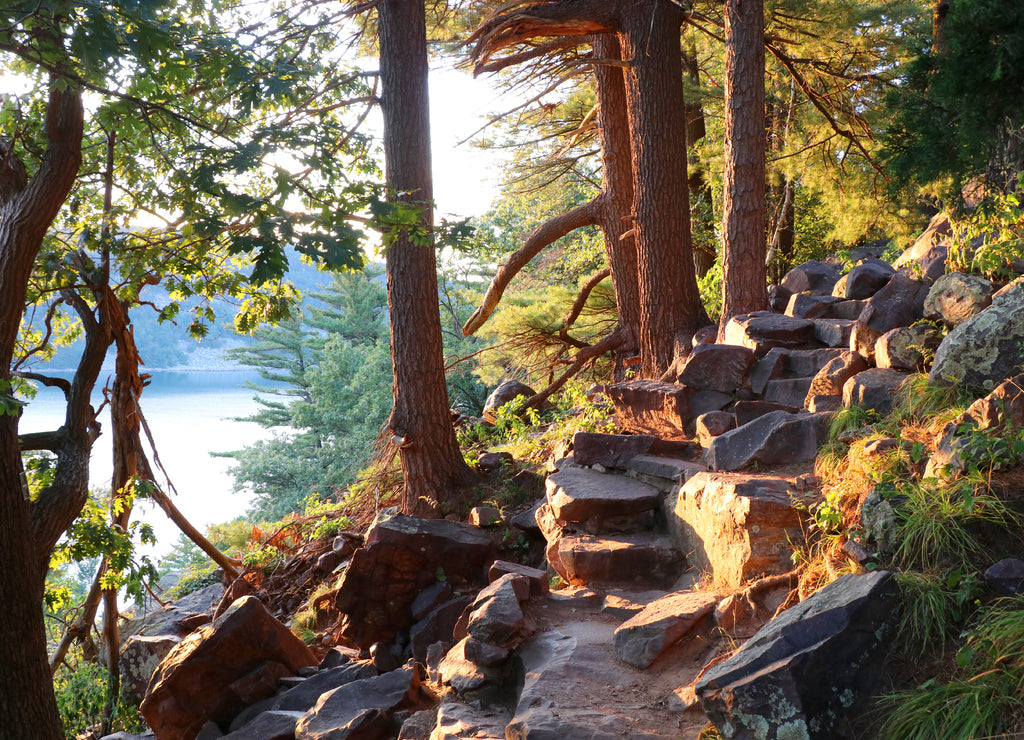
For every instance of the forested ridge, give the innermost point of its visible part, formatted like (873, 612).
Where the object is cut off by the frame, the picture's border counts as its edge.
(178, 174)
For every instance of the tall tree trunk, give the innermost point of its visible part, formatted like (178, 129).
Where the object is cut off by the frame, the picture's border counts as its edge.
(28, 709)
(743, 260)
(434, 472)
(670, 305)
(617, 192)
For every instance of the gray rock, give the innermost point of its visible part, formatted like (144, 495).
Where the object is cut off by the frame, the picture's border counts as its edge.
(985, 349)
(438, 625)
(713, 424)
(717, 367)
(788, 392)
(419, 725)
(814, 277)
(467, 677)
(899, 303)
(651, 407)
(271, 725)
(862, 340)
(873, 389)
(641, 639)
(777, 437)
(609, 450)
(359, 707)
(746, 411)
(866, 278)
(834, 332)
(537, 578)
(140, 657)
(645, 559)
(1006, 577)
(807, 670)
(506, 392)
(181, 617)
(833, 376)
(805, 306)
(761, 331)
(496, 616)
(878, 519)
(956, 297)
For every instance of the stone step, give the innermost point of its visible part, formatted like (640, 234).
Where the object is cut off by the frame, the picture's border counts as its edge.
(582, 495)
(636, 560)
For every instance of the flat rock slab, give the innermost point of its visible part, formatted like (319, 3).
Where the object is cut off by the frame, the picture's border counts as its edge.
(579, 494)
(646, 559)
(762, 331)
(641, 639)
(665, 469)
(736, 526)
(271, 725)
(609, 450)
(651, 407)
(717, 367)
(874, 388)
(804, 672)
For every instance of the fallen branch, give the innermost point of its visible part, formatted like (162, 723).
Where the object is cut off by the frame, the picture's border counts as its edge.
(585, 355)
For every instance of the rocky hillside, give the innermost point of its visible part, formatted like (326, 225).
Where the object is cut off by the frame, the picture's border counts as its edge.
(779, 537)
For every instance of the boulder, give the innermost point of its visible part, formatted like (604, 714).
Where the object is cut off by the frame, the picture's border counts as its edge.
(1006, 577)
(956, 297)
(181, 617)
(438, 625)
(823, 404)
(537, 578)
(465, 676)
(806, 306)
(833, 376)
(834, 332)
(713, 424)
(777, 437)
(907, 347)
(506, 392)
(899, 303)
(651, 407)
(762, 331)
(485, 516)
(865, 279)
(496, 616)
(736, 526)
(985, 349)
(664, 473)
(645, 559)
(662, 623)
(789, 392)
(361, 709)
(717, 367)
(815, 277)
(805, 672)
(141, 655)
(862, 341)
(608, 450)
(926, 257)
(218, 670)
(401, 557)
(491, 461)
(874, 388)
(746, 411)
(469, 722)
(580, 495)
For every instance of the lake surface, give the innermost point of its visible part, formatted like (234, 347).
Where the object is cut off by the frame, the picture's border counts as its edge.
(190, 415)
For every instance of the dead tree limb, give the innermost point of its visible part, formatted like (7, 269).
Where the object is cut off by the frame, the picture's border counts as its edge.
(587, 214)
(585, 355)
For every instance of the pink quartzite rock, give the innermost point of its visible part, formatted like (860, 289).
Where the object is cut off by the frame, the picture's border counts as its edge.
(219, 669)
(736, 526)
(646, 559)
(651, 407)
(761, 331)
(873, 389)
(578, 495)
(830, 379)
(401, 557)
(609, 450)
(717, 367)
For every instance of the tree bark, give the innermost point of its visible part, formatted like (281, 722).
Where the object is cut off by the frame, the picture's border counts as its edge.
(435, 475)
(617, 194)
(28, 710)
(744, 275)
(670, 306)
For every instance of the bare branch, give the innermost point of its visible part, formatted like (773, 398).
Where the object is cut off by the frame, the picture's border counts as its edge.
(552, 229)
(585, 355)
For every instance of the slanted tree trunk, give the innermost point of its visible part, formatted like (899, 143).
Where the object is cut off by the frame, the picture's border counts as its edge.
(432, 465)
(744, 273)
(28, 529)
(670, 305)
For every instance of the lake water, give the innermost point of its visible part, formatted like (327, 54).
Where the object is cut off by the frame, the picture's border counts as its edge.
(190, 415)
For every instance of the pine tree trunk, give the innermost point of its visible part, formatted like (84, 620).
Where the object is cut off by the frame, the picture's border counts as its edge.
(435, 474)
(617, 190)
(670, 306)
(743, 259)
